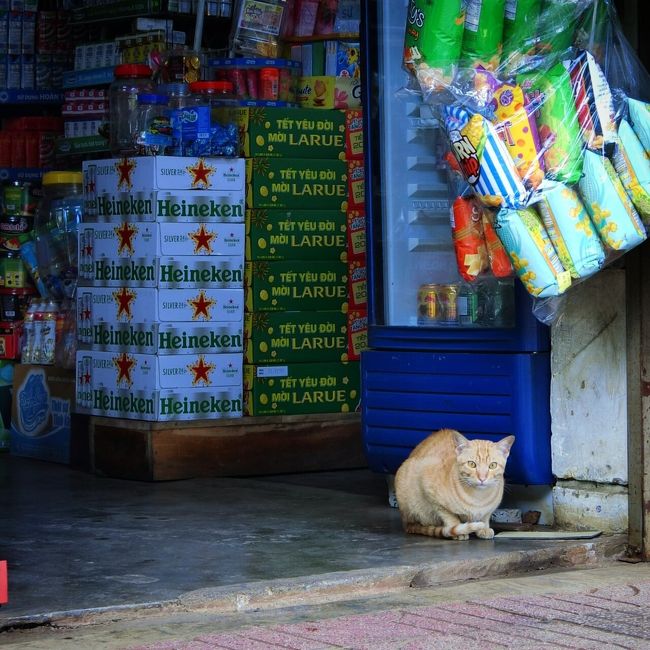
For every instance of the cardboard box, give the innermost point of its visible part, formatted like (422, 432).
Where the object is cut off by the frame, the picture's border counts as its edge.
(43, 401)
(356, 231)
(296, 337)
(357, 283)
(163, 205)
(357, 333)
(140, 173)
(294, 183)
(301, 388)
(152, 387)
(296, 133)
(296, 235)
(296, 286)
(329, 92)
(160, 321)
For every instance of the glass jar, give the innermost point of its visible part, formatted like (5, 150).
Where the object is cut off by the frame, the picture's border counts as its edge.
(131, 80)
(222, 135)
(52, 255)
(152, 129)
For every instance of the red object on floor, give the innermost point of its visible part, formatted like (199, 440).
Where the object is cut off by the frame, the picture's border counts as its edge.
(4, 597)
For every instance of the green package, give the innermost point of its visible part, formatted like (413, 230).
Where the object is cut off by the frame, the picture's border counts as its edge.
(434, 35)
(557, 122)
(483, 35)
(520, 25)
(558, 24)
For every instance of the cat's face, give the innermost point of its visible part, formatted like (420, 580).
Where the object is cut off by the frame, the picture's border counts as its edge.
(481, 463)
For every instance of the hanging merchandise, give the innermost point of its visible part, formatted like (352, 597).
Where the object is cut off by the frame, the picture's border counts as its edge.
(256, 28)
(554, 138)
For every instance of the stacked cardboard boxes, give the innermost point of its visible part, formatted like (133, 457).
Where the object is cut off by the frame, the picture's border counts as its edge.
(160, 296)
(305, 321)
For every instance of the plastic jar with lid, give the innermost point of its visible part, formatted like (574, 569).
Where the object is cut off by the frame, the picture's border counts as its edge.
(152, 128)
(52, 255)
(131, 80)
(222, 136)
(179, 99)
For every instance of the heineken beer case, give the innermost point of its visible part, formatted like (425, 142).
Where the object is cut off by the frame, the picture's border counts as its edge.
(152, 387)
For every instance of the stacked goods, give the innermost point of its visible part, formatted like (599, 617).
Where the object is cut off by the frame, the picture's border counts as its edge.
(29, 142)
(305, 320)
(547, 134)
(161, 299)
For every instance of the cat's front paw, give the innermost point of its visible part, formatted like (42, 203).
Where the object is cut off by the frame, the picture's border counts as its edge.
(485, 533)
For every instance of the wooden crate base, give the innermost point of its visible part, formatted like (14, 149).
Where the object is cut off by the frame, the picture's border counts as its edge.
(161, 451)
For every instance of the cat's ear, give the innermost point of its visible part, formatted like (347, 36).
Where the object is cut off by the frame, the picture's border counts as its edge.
(460, 441)
(505, 444)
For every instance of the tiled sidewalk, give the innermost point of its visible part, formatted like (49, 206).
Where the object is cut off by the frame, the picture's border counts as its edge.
(597, 618)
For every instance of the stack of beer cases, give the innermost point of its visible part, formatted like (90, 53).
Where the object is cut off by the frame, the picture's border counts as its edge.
(305, 321)
(160, 296)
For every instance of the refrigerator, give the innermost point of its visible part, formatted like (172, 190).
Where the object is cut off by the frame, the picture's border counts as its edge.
(432, 364)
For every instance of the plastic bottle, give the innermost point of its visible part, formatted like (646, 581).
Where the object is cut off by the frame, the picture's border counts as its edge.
(152, 128)
(27, 339)
(131, 80)
(55, 233)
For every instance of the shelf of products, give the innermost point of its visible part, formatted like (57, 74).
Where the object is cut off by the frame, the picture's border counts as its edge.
(82, 78)
(85, 144)
(11, 96)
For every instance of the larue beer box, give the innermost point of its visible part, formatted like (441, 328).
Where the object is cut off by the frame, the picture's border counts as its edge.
(300, 133)
(293, 183)
(301, 388)
(296, 286)
(160, 321)
(164, 188)
(152, 387)
(296, 234)
(294, 337)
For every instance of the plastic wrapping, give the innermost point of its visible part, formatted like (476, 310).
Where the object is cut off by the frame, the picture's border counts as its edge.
(545, 108)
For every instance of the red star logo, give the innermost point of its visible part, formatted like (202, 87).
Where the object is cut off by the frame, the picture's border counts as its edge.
(90, 187)
(201, 173)
(125, 168)
(124, 297)
(86, 378)
(201, 306)
(88, 250)
(125, 235)
(202, 239)
(124, 364)
(201, 371)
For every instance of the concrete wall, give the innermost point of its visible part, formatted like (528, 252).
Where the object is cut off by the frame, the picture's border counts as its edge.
(588, 405)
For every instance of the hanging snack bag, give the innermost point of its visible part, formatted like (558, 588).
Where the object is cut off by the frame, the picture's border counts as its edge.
(516, 126)
(519, 26)
(570, 229)
(483, 36)
(557, 122)
(499, 261)
(593, 101)
(483, 159)
(433, 39)
(558, 24)
(469, 242)
(533, 257)
(633, 168)
(640, 117)
(611, 211)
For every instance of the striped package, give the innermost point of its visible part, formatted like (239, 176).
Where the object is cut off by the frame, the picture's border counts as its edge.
(483, 158)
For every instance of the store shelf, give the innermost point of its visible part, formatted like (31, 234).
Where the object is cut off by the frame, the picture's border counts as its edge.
(10, 96)
(299, 40)
(25, 174)
(120, 9)
(94, 77)
(87, 144)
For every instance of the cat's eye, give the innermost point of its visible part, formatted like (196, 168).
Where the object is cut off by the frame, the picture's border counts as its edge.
(492, 465)
(471, 464)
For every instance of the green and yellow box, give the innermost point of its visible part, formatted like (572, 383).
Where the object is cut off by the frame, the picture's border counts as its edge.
(294, 133)
(297, 285)
(302, 388)
(296, 336)
(296, 235)
(296, 183)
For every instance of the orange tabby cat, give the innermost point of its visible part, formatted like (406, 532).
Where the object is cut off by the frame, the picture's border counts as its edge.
(449, 486)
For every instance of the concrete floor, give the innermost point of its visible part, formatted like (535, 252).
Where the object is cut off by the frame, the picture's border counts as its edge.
(74, 540)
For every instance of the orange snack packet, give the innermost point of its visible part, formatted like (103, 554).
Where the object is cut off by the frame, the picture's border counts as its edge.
(499, 261)
(469, 242)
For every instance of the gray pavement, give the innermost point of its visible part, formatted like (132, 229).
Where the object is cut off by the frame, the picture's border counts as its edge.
(603, 607)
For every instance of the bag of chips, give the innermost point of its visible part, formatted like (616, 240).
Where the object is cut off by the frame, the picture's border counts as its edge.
(499, 261)
(483, 34)
(640, 118)
(633, 167)
(469, 242)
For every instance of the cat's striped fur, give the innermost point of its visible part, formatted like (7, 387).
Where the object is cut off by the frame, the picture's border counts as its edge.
(449, 486)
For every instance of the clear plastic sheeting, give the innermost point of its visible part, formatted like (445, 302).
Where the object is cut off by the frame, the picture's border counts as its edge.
(545, 108)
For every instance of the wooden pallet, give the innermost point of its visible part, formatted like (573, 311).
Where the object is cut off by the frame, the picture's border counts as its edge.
(160, 451)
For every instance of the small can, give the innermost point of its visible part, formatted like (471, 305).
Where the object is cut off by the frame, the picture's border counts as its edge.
(90, 191)
(18, 199)
(468, 306)
(238, 78)
(269, 84)
(437, 304)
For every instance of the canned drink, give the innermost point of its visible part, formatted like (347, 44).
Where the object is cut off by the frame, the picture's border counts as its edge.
(87, 380)
(11, 307)
(86, 317)
(427, 304)
(468, 306)
(437, 304)
(448, 304)
(87, 238)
